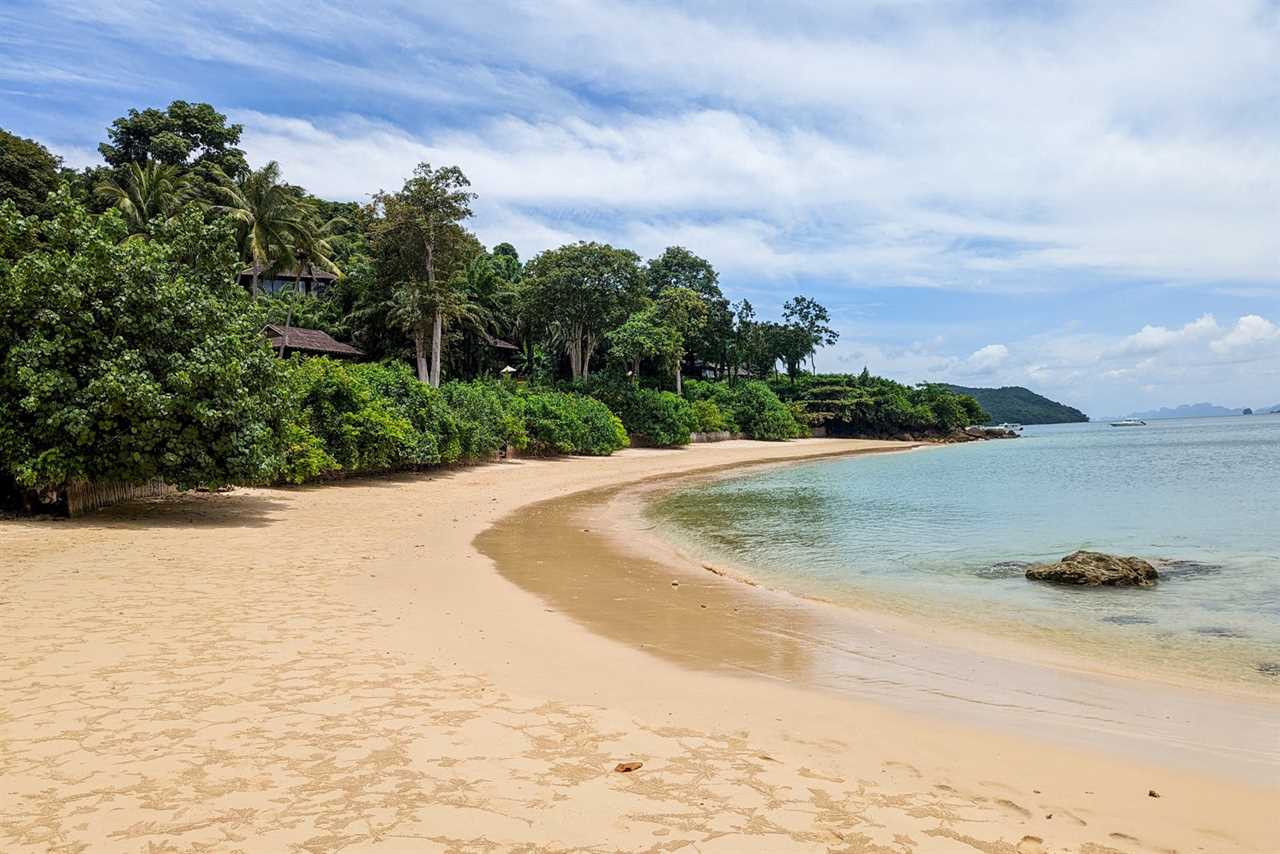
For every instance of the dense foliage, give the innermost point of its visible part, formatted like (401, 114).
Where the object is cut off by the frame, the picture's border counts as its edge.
(28, 173)
(127, 360)
(1020, 405)
(564, 423)
(749, 407)
(873, 406)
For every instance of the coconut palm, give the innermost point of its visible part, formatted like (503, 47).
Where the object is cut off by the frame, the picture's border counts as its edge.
(272, 220)
(147, 193)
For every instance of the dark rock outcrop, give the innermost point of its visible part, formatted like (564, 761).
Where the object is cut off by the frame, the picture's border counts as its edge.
(1095, 569)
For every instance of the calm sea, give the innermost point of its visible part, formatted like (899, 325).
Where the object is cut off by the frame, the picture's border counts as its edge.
(943, 533)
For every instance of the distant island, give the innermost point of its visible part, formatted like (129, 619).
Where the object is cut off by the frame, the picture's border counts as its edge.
(1015, 404)
(1197, 410)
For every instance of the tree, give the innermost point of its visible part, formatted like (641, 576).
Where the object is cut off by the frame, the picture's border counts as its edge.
(127, 361)
(578, 293)
(271, 220)
(792, 343)
(677, 267)
(194, 136)
(683, 312)
(148, 194)
(422, 242)
(28, 173)
(808, 313)
(643, 336)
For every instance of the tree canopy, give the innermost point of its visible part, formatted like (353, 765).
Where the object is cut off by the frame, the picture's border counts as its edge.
(28, 173)
(182, 134)
(577, 293)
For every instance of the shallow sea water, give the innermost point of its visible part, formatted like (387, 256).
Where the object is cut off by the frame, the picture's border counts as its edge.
(945, 533)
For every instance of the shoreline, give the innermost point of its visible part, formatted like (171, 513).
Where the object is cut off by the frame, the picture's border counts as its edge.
(617, 577)
(337, 668)
(913, 616)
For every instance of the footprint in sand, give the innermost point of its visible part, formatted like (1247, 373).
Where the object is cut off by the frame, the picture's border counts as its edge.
(1030, 845)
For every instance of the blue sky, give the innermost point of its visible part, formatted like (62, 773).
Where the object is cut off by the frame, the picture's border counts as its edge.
(1080, 197)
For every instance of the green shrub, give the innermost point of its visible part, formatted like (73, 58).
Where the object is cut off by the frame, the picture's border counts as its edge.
(359, 430)
(303, 455)
(426, 408)
(660, 418)
(485, 418)
(707, 417)
(749, 407)
(563, 423)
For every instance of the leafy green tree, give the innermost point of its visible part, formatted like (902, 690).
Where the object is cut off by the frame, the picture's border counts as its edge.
(148, 193)
(683, 311)
(28, 173)
(677, 267)
(421, 242)
(194, 136)
(130, 360)
(792, 344)
(644, 336)
(813, 317)
(578, 293)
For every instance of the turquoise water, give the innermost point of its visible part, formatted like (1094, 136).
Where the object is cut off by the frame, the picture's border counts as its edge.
(942, 532)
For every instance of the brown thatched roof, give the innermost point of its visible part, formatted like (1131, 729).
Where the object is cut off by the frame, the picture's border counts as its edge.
(315, 275)
(307, 341)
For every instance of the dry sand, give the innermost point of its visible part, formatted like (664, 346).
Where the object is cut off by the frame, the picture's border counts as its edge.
(338, 668)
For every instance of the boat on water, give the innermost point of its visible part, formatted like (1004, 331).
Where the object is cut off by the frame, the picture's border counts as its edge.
(1129, 422)
(1014, 426)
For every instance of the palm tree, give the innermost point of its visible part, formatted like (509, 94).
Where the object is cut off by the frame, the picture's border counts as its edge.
(147, 193)
(272, 220)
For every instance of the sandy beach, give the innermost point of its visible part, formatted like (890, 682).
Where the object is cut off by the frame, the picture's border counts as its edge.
(345, 667)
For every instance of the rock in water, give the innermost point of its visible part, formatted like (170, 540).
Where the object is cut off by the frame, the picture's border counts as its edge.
(1095, 569)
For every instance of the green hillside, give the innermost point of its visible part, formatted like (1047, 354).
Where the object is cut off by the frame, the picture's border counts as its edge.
(1021, 405)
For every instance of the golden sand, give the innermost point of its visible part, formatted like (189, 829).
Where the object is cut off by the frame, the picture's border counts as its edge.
(337, 668)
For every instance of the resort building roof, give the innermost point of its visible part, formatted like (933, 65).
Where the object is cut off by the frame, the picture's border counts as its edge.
(308, 341)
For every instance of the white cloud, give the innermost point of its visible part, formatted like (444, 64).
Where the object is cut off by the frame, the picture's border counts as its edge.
(963, 144)
(1250, 333)
(987, 359)
(1154, 339)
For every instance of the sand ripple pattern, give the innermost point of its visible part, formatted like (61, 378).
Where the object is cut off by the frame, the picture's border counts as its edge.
(192, 700)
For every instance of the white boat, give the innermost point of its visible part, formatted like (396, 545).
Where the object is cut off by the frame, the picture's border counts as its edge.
(1129, 422)
(1015, 427)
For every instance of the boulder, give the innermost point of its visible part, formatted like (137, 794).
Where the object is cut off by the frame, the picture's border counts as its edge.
(1095, 569)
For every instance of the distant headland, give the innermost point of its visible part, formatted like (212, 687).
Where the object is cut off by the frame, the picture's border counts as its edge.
(1015, 404)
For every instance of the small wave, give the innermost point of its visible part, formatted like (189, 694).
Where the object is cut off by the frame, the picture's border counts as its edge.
(1003, 569)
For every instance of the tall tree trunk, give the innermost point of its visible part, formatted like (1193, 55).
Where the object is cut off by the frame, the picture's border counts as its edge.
(420, 353)
(679, 385)
(253, 293)
(635, 371)
(587, 349)
(437, 328)
(574, 348)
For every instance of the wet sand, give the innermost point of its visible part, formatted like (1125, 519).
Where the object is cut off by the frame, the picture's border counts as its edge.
(597, 557)
(337, 668)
